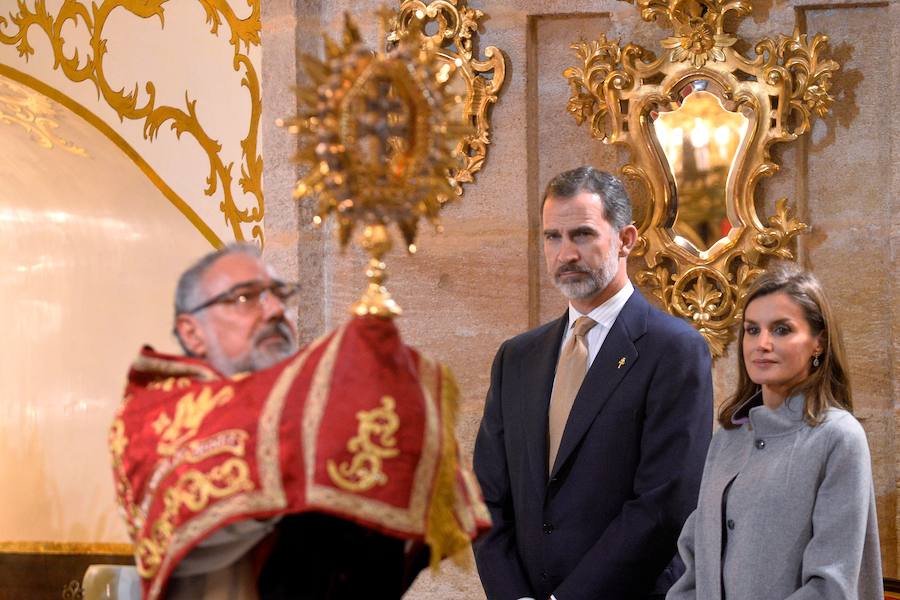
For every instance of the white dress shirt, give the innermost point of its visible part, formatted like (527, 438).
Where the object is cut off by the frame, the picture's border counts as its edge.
(604, 315)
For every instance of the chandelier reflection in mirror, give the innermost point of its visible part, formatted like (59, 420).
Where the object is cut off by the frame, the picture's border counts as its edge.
(700, 120)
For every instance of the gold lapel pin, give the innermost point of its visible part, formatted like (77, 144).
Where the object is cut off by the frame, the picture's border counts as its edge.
(621, 363)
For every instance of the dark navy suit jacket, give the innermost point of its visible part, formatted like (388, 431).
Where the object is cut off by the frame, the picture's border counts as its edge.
(604, 523)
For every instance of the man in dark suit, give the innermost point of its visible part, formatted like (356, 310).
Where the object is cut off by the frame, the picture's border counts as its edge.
(596, 425)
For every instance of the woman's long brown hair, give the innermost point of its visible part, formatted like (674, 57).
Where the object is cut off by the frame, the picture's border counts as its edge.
(828, 385)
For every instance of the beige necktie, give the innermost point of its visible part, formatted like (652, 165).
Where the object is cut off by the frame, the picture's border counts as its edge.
(570, 371)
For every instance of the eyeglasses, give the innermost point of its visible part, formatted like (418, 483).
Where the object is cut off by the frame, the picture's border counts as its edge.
(250, 296)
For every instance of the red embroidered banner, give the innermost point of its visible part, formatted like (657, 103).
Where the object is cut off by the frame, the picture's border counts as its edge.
(356, 425)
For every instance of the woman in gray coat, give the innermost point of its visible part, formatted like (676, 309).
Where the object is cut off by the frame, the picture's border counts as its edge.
(787, 504)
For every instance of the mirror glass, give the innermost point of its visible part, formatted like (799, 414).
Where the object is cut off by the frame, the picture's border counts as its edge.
(700, 140)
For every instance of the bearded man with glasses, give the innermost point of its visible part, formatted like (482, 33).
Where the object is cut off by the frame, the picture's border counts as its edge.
(230, 310)
(234, 313)
(235, 465)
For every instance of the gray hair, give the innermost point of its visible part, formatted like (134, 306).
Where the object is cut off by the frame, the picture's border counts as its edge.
(188, 293)
(616, 205)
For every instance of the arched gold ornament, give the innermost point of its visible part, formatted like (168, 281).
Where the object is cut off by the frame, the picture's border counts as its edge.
(36, 114)
(456, 27)
(143, 107)
(375, 131)
(621, 90)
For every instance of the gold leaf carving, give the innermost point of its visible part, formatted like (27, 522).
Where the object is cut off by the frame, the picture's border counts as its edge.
(600, 58)
(373, 443)
(782, 227)
(619, 89)
(807, 75)
(135, 106)
(456, 27)
(34, 113)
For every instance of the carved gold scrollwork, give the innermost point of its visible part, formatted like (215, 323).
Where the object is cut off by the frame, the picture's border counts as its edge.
(372, 445)
(35, 114)
(132, 105)
(621, 90)
(456, 27)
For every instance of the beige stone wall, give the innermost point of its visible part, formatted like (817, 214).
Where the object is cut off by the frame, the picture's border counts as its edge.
(482, 280)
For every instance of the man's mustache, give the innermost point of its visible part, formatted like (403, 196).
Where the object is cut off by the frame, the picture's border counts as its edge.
(572, 268)
(279, 328)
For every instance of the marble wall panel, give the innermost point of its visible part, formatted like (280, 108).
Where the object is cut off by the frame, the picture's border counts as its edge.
(850, 247)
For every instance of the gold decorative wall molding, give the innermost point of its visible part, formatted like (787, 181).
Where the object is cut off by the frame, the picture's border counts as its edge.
(626, 93)
(114, 136)
(455, 33)
(65, 548)
(34, 113)
(132, 105)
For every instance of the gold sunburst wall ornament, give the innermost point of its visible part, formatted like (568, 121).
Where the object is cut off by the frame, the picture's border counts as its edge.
(36, 114)
(479, 81)
(702, 241)
(377, 133)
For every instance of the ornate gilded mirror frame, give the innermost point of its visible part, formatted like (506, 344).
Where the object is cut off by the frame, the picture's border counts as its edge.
(452, 27)
(622, 91)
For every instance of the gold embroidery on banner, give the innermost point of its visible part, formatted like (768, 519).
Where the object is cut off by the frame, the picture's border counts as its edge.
(269, 497)
(125, 102)
(314, 408)
(118, 442)
(170, 383)
(34, 113)
(190, 412)
(410, 518)
(373, 443)
(193, 491)
(229, 441)
(161, 423)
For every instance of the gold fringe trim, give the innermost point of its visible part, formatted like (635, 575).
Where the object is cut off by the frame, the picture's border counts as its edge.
(443, 533)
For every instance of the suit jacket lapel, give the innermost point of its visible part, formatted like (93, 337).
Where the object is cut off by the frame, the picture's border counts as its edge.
(606, 373)
(539, 368)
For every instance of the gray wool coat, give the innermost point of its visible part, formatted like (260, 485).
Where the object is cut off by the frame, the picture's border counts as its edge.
(799, 517)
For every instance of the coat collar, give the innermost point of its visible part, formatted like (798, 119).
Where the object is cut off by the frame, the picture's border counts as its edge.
(785, 419)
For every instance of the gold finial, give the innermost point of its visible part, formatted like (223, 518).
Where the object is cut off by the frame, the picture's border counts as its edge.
(376, 131)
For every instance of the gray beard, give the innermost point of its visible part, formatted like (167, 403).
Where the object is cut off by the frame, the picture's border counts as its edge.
(258, 358)
(593, 282)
